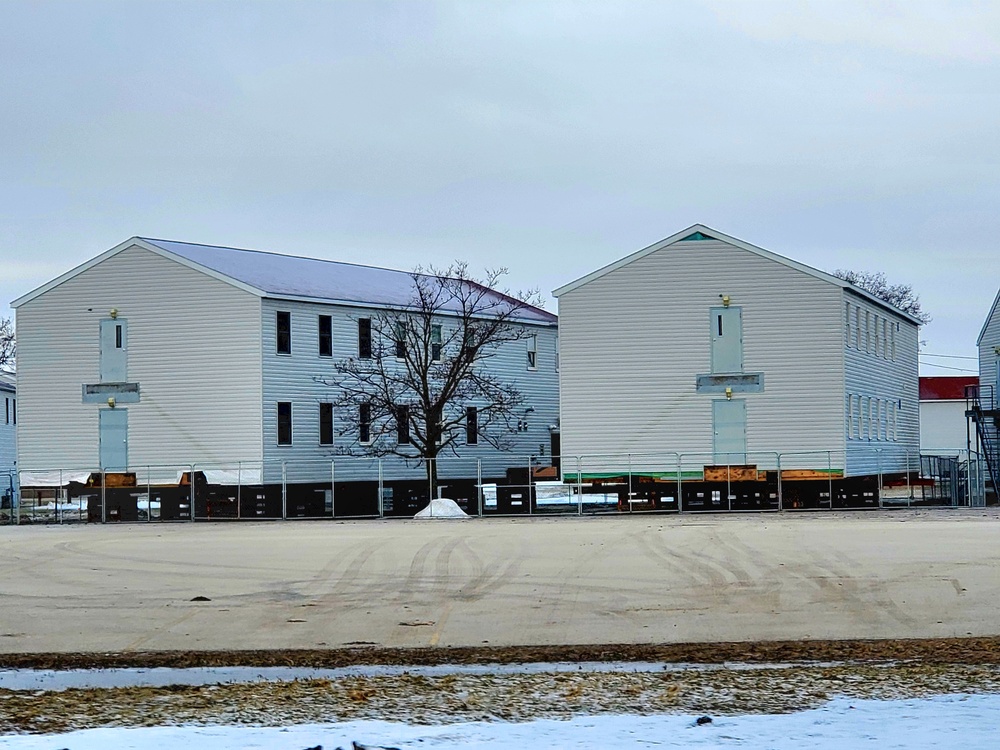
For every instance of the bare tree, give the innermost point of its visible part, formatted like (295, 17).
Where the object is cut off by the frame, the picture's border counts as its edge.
(8, 345)
(900, 296)
(421, 384)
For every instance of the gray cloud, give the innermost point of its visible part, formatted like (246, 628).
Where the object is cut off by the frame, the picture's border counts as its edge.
(549, 137)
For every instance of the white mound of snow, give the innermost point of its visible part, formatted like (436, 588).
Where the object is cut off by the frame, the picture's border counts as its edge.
(442, 507)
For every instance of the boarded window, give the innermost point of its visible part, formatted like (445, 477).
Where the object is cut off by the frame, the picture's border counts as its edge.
(325, 336)
(857, 416)
(847, 323)
(365, 338)
(557, 353)
(403, 425)
(532, 352)
(850, 415)
(364, 423)
(471, 425)
(284, 336)
(435, 343)
(878, 337)
(886, 325)
(857, 328)
(892, 420)
(284, 423)
(868, 331)
(326, 424)
(469, 343)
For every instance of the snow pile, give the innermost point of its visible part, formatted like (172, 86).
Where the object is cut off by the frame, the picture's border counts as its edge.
(941, 723)
(442, 507)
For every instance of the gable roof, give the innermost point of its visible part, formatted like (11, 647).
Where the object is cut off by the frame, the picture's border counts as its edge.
(986, 323)
(284, 276)
(701, 232)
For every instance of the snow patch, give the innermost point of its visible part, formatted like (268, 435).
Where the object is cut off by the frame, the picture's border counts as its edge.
(442, 507)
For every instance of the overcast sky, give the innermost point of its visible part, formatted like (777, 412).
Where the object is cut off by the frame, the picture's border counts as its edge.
(549, 137)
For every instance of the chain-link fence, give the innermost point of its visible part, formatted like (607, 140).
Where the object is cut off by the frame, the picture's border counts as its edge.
(361, 487)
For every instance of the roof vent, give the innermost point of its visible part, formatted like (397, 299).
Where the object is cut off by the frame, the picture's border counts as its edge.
(696, 237)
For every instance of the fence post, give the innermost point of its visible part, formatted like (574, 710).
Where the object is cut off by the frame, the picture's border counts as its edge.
(729, 484)
(104, 496)
(381, 512)
(579, 487)
(529, 486)
(878, 457)
(284, 490)
(909, 488)
(781, 500)
(191, 491)
(629, 483)
(333, 488)
(680, 485)
(239, 489)
(149, 494)
(829, 476)
(479, 486)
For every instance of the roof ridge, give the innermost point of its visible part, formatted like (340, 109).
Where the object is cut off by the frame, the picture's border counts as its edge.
(280, 255)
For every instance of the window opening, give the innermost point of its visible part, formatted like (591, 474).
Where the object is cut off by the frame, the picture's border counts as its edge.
(364, 423)
(326, 424)
(471, 425)
(399, 330)
(118, 336)
(532, 352)
(284, 334)
(325, 336)
(403, 425)
(435, 343)
(284, 423)
(365, 338)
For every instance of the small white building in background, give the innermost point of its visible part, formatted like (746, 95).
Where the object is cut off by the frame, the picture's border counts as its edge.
(944, 429)
(705, 345)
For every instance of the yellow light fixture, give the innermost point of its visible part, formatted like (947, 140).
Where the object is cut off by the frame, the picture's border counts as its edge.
(111, 402)
(729, 393)
(725, 300)
(114, 313)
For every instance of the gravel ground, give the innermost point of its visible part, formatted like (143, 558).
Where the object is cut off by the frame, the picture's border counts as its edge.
(493, 697)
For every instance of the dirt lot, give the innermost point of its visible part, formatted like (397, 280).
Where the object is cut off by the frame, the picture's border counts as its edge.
(500, 582)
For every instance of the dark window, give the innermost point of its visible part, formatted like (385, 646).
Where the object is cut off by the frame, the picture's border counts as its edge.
(284, 338)
(365, 338)
(325, 336)
(435, 343)
(284, 423)
(532, 352)
(471, 425)
(6, 408)
(365, 423)
(469, 343)
(326, 424)
(13, 409)
(403, 425)
(118, 336)
(400, 340)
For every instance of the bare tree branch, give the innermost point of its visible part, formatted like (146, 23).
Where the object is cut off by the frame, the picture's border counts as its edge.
(8, 345)
(431, 357)
(900, 296)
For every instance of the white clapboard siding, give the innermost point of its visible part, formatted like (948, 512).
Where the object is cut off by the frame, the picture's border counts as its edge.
(193, 347)
(886, 376)
(989, 359)
(634, 339)
(302, 378)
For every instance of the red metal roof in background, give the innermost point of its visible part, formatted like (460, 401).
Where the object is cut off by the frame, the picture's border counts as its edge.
(945, 387)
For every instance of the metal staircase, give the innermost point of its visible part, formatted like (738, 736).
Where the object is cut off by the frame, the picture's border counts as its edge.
(982, 408)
